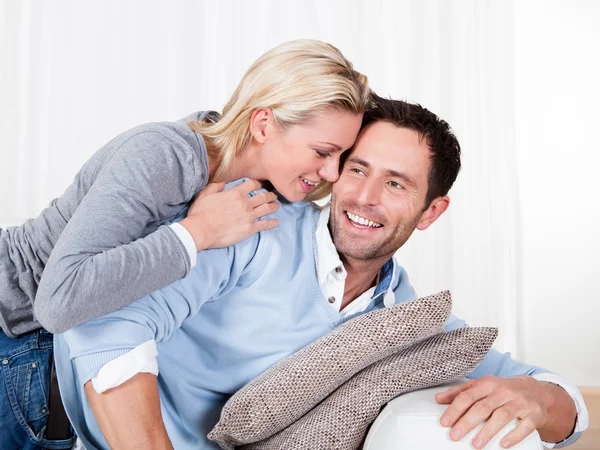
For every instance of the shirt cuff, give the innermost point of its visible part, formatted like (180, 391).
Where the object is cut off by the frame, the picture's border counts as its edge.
(141, 359)
(187, 240)
(582, 412)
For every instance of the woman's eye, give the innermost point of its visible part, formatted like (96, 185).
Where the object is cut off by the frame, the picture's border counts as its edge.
(321, 154)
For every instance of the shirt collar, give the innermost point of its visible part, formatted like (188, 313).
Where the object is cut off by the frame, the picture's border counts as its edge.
(386, 278)
(328, 259)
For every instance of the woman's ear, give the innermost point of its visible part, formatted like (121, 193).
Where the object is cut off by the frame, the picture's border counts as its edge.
(260, 119)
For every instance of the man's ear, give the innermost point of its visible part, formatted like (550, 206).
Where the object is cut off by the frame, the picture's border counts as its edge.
(437, 207)
(260, 119)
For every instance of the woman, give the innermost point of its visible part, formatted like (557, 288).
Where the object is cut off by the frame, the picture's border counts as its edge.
(111, 238)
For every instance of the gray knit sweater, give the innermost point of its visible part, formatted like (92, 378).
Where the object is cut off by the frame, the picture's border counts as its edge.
(101, 245)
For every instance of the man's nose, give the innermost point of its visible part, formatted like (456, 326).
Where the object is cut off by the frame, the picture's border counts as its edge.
(369, 192)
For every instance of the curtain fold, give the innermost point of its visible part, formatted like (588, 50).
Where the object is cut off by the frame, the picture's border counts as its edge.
(74, 74)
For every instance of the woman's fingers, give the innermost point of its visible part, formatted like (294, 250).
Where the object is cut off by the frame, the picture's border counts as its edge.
(267, 224)
(262, 198)
(247, 186)
(219, 219)
(263, 210)
(212, 188)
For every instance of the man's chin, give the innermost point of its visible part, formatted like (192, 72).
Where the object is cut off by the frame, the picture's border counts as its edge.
(347, 247)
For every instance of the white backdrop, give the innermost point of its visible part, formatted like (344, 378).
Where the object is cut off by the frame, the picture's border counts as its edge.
(75, 73)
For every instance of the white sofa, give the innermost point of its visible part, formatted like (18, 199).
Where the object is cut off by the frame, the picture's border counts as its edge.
(411, 422)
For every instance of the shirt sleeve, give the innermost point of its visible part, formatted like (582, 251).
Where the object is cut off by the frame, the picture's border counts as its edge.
(582, 412)
(502, 365)
(100, 262)
(157, 316)
(141, 359)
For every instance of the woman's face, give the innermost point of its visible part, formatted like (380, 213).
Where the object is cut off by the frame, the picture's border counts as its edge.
(298, 158)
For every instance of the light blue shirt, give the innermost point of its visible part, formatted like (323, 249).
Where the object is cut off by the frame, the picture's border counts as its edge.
(238, 312)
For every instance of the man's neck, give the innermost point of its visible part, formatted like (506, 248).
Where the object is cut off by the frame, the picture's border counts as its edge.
(361, 275)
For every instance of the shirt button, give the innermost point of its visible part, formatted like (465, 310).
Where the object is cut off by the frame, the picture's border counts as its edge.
(5, 361)
(331, 299)
(339, 269)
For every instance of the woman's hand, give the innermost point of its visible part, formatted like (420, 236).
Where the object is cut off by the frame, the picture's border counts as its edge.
(219, 219)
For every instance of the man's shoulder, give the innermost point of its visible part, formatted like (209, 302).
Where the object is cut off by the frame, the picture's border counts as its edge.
(297, 223)
(297, 210)
(288, 245)
(292, 216)
(293, 237)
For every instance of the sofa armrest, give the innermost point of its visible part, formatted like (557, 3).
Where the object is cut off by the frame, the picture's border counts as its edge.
(412, 421)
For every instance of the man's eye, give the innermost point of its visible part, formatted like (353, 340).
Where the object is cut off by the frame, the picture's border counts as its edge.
(395, 185)
(357, 171)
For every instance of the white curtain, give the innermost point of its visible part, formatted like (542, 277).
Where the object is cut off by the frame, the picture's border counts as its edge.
(76, 73)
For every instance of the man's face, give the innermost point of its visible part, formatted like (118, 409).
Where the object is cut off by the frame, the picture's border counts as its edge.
(379, 199)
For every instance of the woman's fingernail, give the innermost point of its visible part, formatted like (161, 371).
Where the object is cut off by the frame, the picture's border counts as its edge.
(506, 443)
(478, 442)
(445, 421)
(455, 434)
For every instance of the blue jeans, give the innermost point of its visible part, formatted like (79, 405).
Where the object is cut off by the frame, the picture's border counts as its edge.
(25, 364)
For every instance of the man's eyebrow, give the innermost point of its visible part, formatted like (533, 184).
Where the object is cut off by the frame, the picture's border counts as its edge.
(402, 176)
(356, 160)
(393, 173)
(337, 147)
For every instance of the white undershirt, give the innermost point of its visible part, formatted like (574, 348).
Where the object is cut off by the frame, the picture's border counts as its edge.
(187, 240)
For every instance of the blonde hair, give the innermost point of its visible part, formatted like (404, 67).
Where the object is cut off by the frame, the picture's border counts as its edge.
(296, 80)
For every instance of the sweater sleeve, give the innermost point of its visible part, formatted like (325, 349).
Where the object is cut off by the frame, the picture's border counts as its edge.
(100, 262)
(158, 315)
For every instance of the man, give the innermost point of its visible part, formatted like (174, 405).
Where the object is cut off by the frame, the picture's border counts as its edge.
(245, 307)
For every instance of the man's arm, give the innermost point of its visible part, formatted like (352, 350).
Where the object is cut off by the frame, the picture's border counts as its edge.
(129, 415)
(119, 336)
(502, 390)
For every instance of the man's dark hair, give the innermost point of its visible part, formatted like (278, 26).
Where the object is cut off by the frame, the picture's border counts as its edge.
(444, 147)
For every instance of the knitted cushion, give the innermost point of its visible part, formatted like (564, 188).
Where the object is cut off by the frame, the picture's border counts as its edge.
(341, 421)
(293, 386)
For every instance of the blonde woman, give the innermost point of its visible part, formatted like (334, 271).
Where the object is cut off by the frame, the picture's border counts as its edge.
(115, 235)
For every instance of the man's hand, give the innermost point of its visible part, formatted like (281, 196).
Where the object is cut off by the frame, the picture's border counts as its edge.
(538, 405)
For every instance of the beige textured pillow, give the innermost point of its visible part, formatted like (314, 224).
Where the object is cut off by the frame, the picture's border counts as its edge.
(293, 386)
(341, 421)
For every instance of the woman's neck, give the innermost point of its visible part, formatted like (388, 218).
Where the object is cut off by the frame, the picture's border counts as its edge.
(245, 165)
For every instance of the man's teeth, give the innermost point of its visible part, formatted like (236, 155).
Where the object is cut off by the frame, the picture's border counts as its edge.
(361, 220)
(310, 183)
